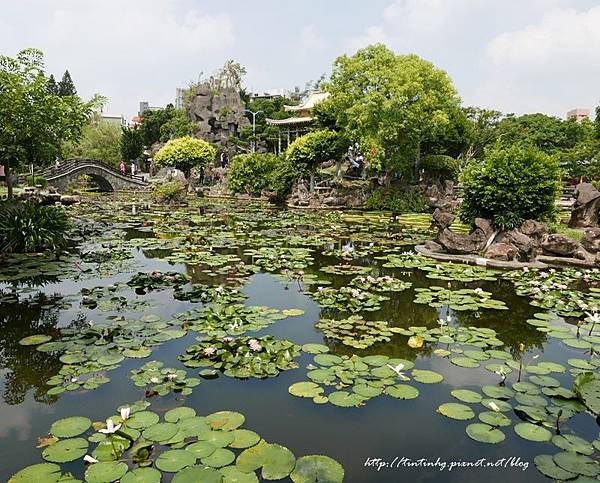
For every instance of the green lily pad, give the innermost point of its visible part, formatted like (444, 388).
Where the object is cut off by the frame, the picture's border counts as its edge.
(231, 474)
(225, 420)
(484, 433)
(142, 475)
(466, 395)
(402, 391)
(46, 472)
(66, 450)
(573, 443)
(456, 411)
(532, 432)
(494, 418)
(178, 414)
(142, 419)
(175, 460)
(244, 438)
(545, 381)
(218, 439)
(305, 389)
(577, 463)
(201, 449)
(366, 391)
(160, 432)
(315, 348)
(196, 474)
(502, 406)
(546, 465)
(109, 359)
(327, 359)
(292, 312)
(345, 399)
(464, 362)
(276, 461)
(317, 469)
(105, 472)
(69, 427)
(498, 392)
(427, 377)
(35, 339)
(221, 457)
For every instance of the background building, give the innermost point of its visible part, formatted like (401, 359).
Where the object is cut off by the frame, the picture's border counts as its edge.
(579, 114)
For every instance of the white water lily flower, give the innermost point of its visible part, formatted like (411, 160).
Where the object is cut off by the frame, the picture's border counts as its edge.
(125, 412)
(73, 379)
(90, 459)
(478, 290)
(494, 406)
(442, 322)
(209, 351)
(594, 317)
(154, 380)
(254, 345)
(219, 289)
(110, 427)
(171, 377)
(398, 370)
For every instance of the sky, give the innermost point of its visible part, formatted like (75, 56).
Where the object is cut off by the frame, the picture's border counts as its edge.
(512, 55)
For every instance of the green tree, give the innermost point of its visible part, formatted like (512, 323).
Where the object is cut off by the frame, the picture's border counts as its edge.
(99, 140)
(35, 123)
(186, 153)
(132, 144)
(597, 123)
(164, 124)
(512, 185)
(256, 173)
(391, 104)
(66, 87)
(177, 126)
(52, 86)
(483, 131)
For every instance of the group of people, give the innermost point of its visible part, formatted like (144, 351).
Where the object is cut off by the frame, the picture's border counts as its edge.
(356, 159)
(123, 168)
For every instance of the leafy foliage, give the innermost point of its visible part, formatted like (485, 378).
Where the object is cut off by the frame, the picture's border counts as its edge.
(132, 144)
(169, 192)
(99, 140)
(511, 186)
(439, 167)
(26, 228)
(397, 199)
(256, 173)
(306, 152)
(37, 181)
(185, 153)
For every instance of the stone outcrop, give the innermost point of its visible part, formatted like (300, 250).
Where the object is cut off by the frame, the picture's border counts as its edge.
(442, 219)
(534, 229)
(560, 245)
(460, 243)
(501, 251)
(441, 195)
(587, 205)
(591, 240)
(524, 244)
(37, 196)
(218, 114)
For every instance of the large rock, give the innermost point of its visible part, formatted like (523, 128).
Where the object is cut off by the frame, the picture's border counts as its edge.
(442, 219)
(69, 199)
(460, 243)
(523, 243)
(533, 228)
(591, 240)
(586, 207)
(485, 226)
(501, 251)
(560, 245)
(433, 246)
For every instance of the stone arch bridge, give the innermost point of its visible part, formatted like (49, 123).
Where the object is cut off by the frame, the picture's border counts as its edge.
(106, 177)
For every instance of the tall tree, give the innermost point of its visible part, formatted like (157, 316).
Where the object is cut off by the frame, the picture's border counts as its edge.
(52, 86)
(597, 123)
(35, 123)
(99, 140)
(391, 104)
(66, 86)
(132, 144)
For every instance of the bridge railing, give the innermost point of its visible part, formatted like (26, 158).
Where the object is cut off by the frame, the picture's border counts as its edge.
(69, 164)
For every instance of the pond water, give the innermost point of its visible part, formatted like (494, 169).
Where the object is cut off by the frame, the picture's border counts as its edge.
(279, 259)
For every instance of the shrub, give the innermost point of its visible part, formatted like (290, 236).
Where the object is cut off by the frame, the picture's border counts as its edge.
(511, 185)
(169, 192)
(37, 180)
(309, 150)
(439, 167)
(186, 153)
(257, 172)
(397, 200)
(27, 228)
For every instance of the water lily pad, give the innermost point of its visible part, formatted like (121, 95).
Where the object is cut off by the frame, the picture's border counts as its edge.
(142, 475)
(577, 463)
(464, 362)
(196, 474)
(427, 377)
(532, 432)
(276, 461)
(573, 443)
(142, 419)
(225, 420)
(315, 348)
(218, 438)
(219, 458)
(327, 359)
(160, 432)
(46, 472)
(66, 450)
(317, 469)
(345, 399)
(456, 411)
(402, 391)
(466, 395)
(546, 465)
(244, 438)
(498, 392)
(494, 418)
(484, 433)
(175, 460)
(178, 414)
(305, 389)
(109, 359)
(292, 312)
(366, 391)
(201, 449)
(69, 427)
(35, 339)
(105, 472)
(231, 474)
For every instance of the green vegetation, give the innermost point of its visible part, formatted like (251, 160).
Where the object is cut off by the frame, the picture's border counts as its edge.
(186, 153)
(99, 140)
(26, 228)
(439, 167)
(165, 124)
(512, 185)
(306, 152)
(37, 181)
(408, 200)
(131, 144)
(35, 123)
(256, 173)
(169, 192)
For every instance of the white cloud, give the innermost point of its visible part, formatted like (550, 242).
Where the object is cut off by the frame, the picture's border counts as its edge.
(311, 39)
(119, 48)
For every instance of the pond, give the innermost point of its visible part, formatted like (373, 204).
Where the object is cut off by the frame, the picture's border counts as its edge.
(323, 329)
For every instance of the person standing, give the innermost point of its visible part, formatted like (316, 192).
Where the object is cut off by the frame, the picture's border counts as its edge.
(132, 168)
(122, 168)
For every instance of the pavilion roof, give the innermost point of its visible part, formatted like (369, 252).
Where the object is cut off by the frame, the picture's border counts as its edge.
(311, 101)
(289, 121)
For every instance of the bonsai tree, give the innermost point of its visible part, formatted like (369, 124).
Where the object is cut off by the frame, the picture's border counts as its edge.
(186, 153)
(306, 152)
(512, 185)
